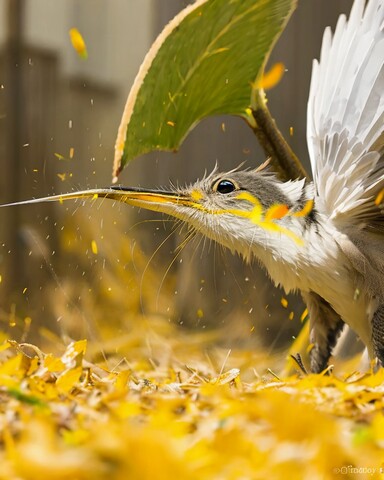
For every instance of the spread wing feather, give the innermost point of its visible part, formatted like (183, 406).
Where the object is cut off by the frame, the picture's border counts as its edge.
(345, 125)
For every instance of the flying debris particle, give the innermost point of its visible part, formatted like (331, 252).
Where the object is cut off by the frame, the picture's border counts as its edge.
(27, 321)
(223, 127)
(356, 294)
(35, 170)
(12, 316)
(171, 124)
(291, 131)
(24, 290)
(252, 329)
(284, 302)
(69, 124)
(304, 315)
(94, 247)
(59, 156)
(200, 313)
(78, 43)
(291, 315)
(62, 176)
(380, 197)
(1, 278)
(71, 152)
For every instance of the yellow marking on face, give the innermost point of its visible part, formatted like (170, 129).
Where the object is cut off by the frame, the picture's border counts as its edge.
(276, 212)
(196, 195)
(306, 210)
(257, 216)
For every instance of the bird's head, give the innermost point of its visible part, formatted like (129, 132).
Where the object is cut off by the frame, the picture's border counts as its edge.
(246, 211)
(242, 210)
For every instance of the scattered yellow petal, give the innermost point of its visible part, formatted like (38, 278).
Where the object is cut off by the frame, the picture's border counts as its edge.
(171, 124)
(271, 78)
(304, 315)
(380, 197)
(71, 152)
(25, 289)
(62, 176)
(284, 302)
(291, 316)
(291, 131)
(223, 127)
(59, 156)
(94, 247)
(78, 43)
(200, 313)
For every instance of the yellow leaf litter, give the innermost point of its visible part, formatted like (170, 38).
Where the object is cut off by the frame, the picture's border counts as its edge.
(63, 417)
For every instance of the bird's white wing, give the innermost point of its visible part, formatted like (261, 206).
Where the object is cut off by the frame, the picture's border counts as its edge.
(345, 124)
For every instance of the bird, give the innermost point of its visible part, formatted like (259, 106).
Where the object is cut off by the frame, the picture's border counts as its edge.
(323, 238)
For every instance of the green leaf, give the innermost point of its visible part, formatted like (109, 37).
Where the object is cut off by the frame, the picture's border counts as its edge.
(207, 61)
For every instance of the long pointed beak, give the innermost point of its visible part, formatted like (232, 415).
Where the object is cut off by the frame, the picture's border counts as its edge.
(157, 200)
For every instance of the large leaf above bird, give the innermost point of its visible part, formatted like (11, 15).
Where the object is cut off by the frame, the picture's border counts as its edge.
(181, 81)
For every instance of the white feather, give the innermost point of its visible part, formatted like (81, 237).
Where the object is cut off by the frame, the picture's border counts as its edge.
(346, 114)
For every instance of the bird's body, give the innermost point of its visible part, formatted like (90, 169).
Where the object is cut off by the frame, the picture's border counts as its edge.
(323, 238)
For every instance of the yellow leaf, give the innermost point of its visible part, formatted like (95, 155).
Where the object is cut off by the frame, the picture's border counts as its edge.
(68, 379)
(53, 364)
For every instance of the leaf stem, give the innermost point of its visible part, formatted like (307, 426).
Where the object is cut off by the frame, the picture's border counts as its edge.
(286, 163)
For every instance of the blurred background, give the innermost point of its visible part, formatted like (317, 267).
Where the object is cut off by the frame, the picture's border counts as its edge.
(66, 270)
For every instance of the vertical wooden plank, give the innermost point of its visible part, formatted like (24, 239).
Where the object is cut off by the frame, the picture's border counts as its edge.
(12, 104)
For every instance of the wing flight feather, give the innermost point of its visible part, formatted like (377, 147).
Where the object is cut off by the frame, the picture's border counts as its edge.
(345, 124)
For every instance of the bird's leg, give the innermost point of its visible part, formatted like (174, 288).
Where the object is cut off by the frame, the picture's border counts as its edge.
(378, 334)
(325, 328)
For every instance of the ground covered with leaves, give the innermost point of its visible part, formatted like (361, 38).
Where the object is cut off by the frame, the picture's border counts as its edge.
(174, 410)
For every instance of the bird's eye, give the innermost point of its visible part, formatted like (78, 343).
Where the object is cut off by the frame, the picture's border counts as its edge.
(225, 186)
